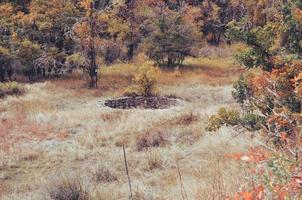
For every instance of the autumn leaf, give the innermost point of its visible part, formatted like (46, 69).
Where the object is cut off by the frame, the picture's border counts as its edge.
(283, 136)
(247, 195)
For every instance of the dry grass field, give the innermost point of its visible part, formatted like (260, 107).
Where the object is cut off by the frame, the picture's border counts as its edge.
(58, 138)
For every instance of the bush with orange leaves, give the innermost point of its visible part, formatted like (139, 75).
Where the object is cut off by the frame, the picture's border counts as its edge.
(274, 92)
(275, 95)
(272, 101)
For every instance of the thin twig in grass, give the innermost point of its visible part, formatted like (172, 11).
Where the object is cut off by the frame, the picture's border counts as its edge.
(127, 171)
(182, 187)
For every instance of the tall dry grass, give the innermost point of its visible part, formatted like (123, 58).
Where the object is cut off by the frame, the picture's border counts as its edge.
(57, 127)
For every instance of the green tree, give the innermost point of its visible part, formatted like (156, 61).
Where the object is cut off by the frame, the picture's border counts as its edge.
(259, 41)
(172, 38)
(27, 53)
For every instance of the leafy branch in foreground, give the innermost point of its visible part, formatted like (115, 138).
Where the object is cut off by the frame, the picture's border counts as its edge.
(229, 117)
(271, 98)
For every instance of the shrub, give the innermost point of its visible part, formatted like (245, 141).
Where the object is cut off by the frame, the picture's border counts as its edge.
(242, 89)
(131, 91)
(223, 117)
(145, 80)
(253, 122)
(214, 123)
(104, 175)
(150, 139)
(154, 160)
(10, 88)
(247, 58)
(187, 119)
(68, 189)
(250, 121)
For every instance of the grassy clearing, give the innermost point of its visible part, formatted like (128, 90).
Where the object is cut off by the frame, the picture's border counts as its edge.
(207, 71)
(56, 129)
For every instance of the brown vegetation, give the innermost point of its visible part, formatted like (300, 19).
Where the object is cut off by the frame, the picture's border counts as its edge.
(99, 81)
(55, 128)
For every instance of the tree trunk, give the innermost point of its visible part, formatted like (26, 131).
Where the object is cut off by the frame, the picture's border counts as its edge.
(93, 77)
(92, 52)
(44, 72)
(2, 74)
(170, 62)
(130, 52)
(216, 38)
(10, 72)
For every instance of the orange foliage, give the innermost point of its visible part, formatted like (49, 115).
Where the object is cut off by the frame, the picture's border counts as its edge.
(254, 155)
(298, 14)
(279, 191)
(255, 194)
(259, 82)
(86, 4)
(6, 9)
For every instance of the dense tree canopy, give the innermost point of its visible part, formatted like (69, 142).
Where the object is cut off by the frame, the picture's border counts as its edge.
(167, 31)
(57, 32)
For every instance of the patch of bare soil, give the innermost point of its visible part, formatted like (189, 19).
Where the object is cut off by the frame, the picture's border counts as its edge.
(142, 102)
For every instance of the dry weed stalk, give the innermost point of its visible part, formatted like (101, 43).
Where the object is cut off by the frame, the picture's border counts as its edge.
(127, 171)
